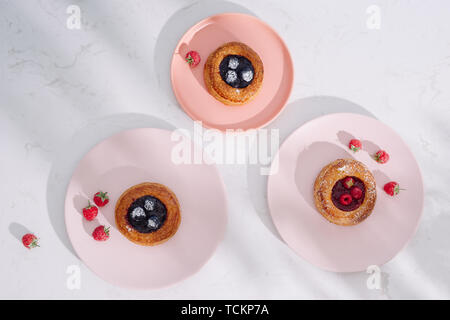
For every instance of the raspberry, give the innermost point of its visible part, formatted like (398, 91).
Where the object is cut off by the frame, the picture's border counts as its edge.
(392, 188)
(355, 145)
(381, 156)
(345, 199)
(356, 193)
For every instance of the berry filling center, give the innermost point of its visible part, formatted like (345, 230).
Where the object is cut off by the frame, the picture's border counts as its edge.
(147, 214)
(356, 194)
(237, 71)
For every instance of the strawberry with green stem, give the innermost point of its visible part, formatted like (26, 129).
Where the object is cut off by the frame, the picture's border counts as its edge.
(101, 233)
(392, 188)
(101, 198)
(90, 212)
(30, 241)
(348, 182)
(381, 156)
(193, 58)
(355, 145)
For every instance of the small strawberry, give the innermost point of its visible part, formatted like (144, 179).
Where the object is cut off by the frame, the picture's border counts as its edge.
(356, 193)
(348, 182)
(381, 156)
(193, 58)
(355, 145)
(101, 233)
(392, 188)
(101, 198)
(345, 199)
(90, 212)
(30, 241)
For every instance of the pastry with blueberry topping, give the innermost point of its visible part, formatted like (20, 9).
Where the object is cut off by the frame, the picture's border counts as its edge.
(148, 214)
(233, 73)
(345, 192)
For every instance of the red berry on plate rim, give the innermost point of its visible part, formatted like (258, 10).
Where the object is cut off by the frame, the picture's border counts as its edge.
(381, 156)
(90, 212)
(348, 182)
(30, 241)
(356, 193)
(193, 58)
(355, 145)
(101, 233)
(392, 188)
(101, 198)
(345, 199)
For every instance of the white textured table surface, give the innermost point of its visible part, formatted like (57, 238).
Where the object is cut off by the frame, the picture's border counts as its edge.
(62, 91)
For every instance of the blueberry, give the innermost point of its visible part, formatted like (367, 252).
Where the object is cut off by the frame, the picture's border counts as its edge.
(149, 205)
(153, 222)
(233, 63)
(247, 75)
(236, 71)
(147, 214)
(138, 213)
(231, 76)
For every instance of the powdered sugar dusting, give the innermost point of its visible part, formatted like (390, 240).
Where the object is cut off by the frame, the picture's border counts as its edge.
(231, 76)
(247, 75)
(233, 63)
(149, 205)
(153, 222)
(137, 212)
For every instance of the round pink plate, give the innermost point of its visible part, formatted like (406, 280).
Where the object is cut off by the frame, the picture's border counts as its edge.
(393, 221)
(129, 158)
(205, 37)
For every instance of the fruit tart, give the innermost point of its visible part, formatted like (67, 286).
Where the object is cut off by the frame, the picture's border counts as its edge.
(233, 73)
(148, 214)
(345, 192)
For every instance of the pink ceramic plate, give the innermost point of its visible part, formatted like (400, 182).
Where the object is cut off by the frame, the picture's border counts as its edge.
(205, 37)
(129, 158)
(290, 194)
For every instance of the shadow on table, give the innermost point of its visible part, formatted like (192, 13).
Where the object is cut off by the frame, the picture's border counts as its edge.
(18, 230)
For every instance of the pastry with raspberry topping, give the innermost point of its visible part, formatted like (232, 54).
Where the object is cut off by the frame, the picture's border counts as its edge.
(345, 192)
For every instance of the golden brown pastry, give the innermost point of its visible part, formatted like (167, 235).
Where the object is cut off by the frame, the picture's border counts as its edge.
(345, 192)
(233, 73)
(148, 214)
